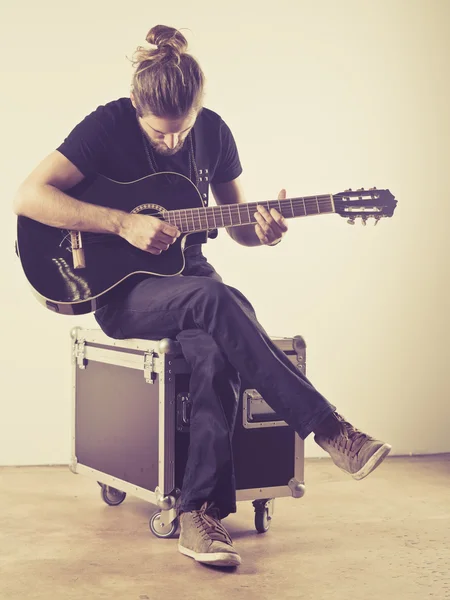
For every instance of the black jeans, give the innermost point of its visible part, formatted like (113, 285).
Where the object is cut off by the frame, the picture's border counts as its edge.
(220, 338)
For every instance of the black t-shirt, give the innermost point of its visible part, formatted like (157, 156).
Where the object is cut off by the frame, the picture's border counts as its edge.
(109, 142)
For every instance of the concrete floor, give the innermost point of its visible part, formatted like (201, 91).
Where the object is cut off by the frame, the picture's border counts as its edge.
(387, 536)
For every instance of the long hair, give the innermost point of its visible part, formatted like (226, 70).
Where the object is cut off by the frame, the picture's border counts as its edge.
(167, 81)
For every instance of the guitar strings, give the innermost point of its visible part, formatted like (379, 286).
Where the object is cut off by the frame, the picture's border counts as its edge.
(216, 213)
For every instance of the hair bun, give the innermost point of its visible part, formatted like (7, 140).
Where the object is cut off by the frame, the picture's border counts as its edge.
(164, 37)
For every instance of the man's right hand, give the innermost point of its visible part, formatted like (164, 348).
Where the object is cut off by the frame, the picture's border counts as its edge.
(148, 233)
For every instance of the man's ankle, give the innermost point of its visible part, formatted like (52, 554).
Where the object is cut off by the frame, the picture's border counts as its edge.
(330, 426)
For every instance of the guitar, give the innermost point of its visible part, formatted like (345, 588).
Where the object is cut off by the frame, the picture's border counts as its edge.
(74, 272)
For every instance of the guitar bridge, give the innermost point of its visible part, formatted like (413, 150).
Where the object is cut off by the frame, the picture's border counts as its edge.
(79, 261)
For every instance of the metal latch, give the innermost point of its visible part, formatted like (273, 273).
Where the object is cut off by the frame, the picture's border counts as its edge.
(149, 367)
(79, 354)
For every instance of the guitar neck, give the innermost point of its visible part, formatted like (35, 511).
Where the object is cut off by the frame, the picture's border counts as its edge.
(190, 220)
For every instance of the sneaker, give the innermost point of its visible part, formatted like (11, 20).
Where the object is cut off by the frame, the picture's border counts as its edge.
(204, 538)
(352, 450)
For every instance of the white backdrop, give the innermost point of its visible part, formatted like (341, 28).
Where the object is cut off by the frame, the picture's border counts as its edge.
(321, 96)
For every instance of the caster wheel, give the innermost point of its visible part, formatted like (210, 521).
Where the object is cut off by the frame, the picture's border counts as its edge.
(262, 517)
(161, 529)
(262, 521)
(111, 496)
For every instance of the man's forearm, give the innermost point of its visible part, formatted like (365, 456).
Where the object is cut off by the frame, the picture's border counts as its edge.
(51, 206)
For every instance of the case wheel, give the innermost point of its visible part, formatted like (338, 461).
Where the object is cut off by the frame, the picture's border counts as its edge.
(162, 529)
(262, 516)
(110, 495)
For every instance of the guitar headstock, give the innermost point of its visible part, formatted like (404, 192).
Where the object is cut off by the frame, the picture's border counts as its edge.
(364, 204)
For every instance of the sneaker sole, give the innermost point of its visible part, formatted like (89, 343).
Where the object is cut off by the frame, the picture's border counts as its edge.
(374, 461)
(217, 559)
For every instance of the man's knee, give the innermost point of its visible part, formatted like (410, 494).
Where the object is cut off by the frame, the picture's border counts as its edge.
(199, 348)
(211, 289)
(206, 300)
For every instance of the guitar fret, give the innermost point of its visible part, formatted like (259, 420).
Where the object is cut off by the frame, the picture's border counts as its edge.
(227, 216)
(195, 216)
(202, 224)
(234, 213)
(237, 214)
(207, 212)
(180, 220)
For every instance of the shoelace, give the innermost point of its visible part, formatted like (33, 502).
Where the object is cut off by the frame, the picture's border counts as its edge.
(351, 439)
(210, 525)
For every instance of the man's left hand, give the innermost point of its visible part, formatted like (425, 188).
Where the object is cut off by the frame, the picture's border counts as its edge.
(270, 226)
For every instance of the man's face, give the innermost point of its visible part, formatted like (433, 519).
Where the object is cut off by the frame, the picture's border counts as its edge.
(167, 136)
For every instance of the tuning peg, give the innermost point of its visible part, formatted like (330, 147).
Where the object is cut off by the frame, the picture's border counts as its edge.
(360, 190)
(349, 190)
(376, 221)
(364, 219)
(374, 188)
(351, 221)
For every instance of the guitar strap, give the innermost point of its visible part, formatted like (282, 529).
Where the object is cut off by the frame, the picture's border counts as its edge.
(203, 153)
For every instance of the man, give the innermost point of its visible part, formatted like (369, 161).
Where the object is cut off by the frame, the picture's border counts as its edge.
(159, 129)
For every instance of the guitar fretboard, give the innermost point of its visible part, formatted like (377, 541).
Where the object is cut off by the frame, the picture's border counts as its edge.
(190, 220)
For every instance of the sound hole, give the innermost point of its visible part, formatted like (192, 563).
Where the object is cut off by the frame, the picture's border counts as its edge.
(151, 210)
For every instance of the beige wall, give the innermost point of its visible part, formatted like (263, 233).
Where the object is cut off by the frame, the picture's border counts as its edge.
(321, 96)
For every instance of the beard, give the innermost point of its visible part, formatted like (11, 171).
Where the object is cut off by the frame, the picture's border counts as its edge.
(162, 149)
